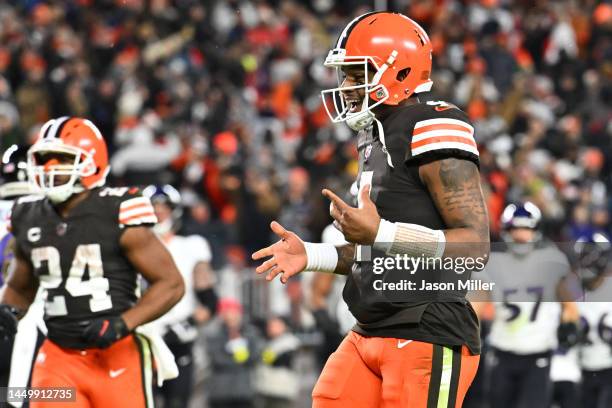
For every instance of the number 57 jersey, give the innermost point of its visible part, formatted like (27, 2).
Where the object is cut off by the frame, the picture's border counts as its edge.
(527, 311)
(78, 259)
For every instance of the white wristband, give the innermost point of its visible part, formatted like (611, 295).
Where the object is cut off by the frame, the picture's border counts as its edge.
(385, 236)
(411, 239)
(321, 257)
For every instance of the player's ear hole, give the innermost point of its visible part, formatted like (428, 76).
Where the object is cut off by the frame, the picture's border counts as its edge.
(402, 74)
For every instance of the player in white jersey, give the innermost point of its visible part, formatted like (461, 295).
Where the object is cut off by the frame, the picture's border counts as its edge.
(595, 350)
(566, 377)
(192, 256)
(31, 330)
(528, 279)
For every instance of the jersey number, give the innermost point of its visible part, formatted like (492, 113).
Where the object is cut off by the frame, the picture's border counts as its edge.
(603, 330)
(97, 286)
(515, 310)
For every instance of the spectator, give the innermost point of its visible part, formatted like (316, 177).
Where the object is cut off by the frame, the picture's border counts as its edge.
(276, 380)
(233, 351)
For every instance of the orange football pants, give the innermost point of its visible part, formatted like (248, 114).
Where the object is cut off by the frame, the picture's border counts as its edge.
(119, 376)
(372, 372)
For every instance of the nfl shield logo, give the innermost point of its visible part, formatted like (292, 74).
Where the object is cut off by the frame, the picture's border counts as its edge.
(368, 151)
(61, 229)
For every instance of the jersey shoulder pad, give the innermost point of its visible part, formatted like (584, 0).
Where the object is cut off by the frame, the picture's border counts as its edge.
(22, 208)
(442, 130)
(133, 209)
(29, 199)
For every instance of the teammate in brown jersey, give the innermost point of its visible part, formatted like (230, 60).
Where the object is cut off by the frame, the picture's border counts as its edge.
(419, 194)
(86, 244)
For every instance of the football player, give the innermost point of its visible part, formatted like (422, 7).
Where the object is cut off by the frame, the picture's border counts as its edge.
(179, 326)
(85, 244)
(31, 332)
(533, 311)
(419, 195)
(566, 377)
(595, 350)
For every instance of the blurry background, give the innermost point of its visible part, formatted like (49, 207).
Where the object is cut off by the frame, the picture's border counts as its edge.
(221, 100)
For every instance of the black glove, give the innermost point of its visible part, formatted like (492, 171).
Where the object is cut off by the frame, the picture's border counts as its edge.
(104, 331)
(208, 298)
(568, 335)
(8, 322)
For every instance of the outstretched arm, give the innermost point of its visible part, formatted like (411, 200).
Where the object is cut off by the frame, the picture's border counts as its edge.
(289, 256)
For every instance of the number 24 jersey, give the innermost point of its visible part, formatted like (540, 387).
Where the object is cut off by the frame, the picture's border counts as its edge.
(78, 259)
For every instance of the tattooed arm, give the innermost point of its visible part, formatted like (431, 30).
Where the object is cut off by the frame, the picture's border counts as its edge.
(345, 259)
(454, 185)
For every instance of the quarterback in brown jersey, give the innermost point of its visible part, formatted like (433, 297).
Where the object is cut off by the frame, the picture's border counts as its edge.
(419, 195)
(86, 244)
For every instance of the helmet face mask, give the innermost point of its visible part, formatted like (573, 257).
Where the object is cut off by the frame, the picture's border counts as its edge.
(71, 162)
(57, 178)
(343, 109)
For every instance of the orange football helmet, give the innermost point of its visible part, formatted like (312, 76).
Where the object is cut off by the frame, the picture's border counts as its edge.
(391, 47)
(69, 156)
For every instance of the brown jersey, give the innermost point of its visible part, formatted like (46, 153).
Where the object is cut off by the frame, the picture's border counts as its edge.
(78, 259)
(390, 153)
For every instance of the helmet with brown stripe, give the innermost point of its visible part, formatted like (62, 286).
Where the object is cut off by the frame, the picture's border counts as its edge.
(395, 55)
(69, 156)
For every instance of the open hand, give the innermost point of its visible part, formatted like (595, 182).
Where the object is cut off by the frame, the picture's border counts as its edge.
(288, 256)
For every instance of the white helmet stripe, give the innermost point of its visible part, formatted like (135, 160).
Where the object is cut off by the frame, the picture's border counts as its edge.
(45, 128)
(93, 128)
(52, 131)
(349, 27)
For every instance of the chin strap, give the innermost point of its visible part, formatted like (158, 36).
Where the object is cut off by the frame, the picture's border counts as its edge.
(381, 137)
(58, 195)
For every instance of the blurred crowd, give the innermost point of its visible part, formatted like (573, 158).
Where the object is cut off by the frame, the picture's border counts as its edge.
(221, 99)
